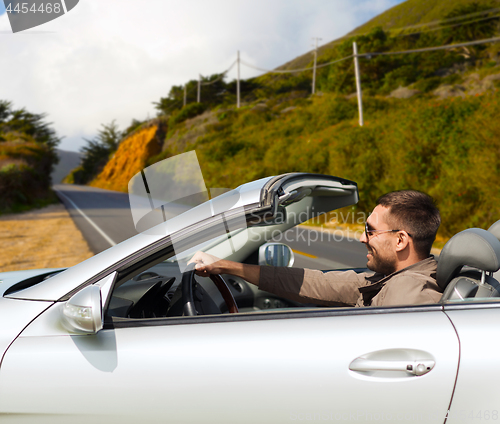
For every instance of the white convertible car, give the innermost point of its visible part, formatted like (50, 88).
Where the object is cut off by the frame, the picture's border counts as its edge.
(131, 336)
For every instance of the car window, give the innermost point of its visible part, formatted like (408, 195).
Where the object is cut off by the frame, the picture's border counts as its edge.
(154, 290)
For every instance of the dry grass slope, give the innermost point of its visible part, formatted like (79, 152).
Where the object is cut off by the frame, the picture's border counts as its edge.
(43, 238)
(129, 159)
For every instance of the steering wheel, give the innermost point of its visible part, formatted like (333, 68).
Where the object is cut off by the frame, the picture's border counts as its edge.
(188, 283)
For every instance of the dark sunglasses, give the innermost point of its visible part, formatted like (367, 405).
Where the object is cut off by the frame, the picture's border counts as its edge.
(369, 233)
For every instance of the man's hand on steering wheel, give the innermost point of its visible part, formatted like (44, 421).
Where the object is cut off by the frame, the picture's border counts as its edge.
(206, 264)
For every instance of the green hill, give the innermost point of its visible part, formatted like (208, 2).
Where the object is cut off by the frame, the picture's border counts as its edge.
(419, 12)
(430, 118)
(449, 148)
(423, 14)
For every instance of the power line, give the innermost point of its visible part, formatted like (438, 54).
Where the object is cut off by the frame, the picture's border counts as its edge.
(447, 26)
(365, 55)
(289, 71)
(177, 102)
(432, 23)
(273, 71)
(456, 18)
(222, 75)
(356, 56)
(429, 49)
(335, 61)
(448, 46)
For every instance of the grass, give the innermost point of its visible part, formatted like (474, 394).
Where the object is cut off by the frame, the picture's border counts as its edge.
(19, 207)
(408, 13)
(43, 238)
(448, 148)
(415, 12)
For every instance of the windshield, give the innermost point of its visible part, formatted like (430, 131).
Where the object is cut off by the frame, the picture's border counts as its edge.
(165, 190)
(206, 246)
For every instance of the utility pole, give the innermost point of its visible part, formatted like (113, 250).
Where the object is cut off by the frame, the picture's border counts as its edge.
(198, 98)
(238, 83)
(185, 94)
(315, 60)
(358, 84)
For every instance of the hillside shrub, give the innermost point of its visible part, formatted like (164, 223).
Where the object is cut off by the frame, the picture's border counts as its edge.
(400, 77)
(189, 111)
(447, 148)
(23, 187)
(467, 29)
(340, 109)
(428, 84)
(27, 156)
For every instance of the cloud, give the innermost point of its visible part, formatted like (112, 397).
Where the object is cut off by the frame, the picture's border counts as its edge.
(111, 59)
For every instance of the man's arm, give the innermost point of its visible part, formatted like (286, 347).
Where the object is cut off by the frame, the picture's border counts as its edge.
(208, 264)
(334, 288)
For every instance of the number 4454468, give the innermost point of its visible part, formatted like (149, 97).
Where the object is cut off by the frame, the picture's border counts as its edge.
(473, 415)
(40, 8)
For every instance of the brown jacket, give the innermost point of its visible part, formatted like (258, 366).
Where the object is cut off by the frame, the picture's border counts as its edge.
(413, 285)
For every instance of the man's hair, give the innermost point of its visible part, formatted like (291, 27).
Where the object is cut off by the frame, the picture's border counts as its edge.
(417, 214)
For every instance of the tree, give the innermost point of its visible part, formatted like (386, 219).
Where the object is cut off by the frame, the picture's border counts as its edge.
(27, 156)
(24, 122)
(96, 153)
(175, 99)
(4, 110)
(213, 90)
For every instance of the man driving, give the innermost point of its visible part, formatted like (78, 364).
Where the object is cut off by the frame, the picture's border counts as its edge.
(398, 235)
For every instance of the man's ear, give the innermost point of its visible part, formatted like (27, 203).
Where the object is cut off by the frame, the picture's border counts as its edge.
(402, 241)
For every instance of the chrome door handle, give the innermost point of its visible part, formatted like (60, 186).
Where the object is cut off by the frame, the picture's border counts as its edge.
(412, 367)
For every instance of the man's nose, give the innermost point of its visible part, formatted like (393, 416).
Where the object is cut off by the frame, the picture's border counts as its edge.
(363, 238)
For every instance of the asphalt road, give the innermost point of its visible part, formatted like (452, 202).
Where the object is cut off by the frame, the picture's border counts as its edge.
(104, 218)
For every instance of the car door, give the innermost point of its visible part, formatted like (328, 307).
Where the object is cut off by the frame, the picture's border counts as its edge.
(316, 364)
(477, 391)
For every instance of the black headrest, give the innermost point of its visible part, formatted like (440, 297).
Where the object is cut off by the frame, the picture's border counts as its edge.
(474, 247)
(495, 229)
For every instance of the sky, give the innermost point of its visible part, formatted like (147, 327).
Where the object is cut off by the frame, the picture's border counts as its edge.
(110, 60)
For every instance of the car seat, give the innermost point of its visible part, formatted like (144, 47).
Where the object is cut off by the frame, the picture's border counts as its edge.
(479, 251)
(495, 230)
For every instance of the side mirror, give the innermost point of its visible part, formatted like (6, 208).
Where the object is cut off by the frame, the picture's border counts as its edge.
(276, 254)
(83, 312)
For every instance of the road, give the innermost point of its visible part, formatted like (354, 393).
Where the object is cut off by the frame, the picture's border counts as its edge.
(104, 218)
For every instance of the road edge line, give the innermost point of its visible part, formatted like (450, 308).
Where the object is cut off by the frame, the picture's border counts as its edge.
(102, 233)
